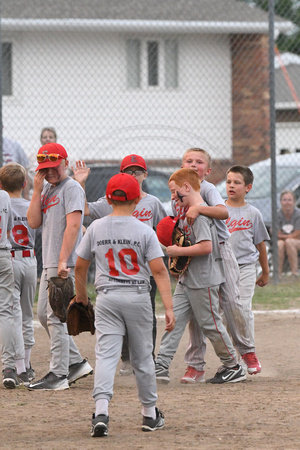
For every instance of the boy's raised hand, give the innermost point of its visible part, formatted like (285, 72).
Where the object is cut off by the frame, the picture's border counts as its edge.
(81, 172)
(38, 181)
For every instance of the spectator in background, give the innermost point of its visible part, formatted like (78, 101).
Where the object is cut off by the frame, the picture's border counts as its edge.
(13, 152)
(288, 232)
(48, 134)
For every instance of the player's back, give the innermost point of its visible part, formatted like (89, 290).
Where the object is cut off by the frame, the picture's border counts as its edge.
(22, 235)
(122, 247)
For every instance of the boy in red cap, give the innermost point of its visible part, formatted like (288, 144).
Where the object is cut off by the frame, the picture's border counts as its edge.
(149, 210)
(124, 249)
(58, 206)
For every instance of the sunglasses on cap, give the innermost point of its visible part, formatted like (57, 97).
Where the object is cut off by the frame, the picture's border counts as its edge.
(52, 157)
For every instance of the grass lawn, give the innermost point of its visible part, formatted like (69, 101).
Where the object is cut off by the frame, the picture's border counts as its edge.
(284, 295)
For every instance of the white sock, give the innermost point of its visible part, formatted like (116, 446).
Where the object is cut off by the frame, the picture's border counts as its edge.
(101, 407)
(27, 357)
(20, 366)
(149, 412)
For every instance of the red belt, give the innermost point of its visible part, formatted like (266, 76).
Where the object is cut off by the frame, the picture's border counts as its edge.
(25, 253)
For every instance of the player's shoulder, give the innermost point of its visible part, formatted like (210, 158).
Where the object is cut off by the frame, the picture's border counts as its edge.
(151, 197)
(151, 200)
(4, 195)
(70, 183)
(255, 212)
(208, 186)
(252, 208)
(200, 219)
(20, 202)
(10, 143)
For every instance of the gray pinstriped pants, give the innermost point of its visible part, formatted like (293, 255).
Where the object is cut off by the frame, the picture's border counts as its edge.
(7, 344)
(118, 311)
(234, 315)
(24, 293)
(204, 303)
(62, 346)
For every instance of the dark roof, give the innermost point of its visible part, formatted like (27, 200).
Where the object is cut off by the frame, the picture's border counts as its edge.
(166, 10)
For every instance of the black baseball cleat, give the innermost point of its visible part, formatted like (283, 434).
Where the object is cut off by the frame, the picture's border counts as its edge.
(50, 382)
(23, 378)
(99, 425)
(10, 379)
(150, 424)
(30, 373)
(228, 375)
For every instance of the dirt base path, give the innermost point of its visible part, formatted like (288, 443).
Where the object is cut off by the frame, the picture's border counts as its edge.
(261, 413)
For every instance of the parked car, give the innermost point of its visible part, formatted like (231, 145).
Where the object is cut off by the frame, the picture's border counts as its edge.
(155, 184)
(287, 175)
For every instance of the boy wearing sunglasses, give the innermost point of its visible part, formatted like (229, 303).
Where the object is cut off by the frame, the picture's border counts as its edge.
(58, 207)
(149, 210)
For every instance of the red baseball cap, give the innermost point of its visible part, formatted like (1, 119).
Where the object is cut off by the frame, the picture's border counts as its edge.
(54, 150)
(125, 183)
(133, 160)
(164, 230)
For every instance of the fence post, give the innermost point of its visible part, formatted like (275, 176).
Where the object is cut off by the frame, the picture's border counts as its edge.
(1, 125)
(273, 141)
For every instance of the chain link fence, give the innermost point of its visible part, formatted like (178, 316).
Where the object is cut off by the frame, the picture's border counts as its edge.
(152, 78)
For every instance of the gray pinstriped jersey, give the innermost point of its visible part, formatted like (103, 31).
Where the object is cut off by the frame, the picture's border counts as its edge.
(6, 219)
(149, 210)
(22, 236)
(122, 246)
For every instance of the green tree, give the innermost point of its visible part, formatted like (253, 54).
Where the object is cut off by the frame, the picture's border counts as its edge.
(289, 9)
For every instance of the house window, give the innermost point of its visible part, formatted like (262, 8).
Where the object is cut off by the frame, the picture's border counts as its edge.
(152, 59)
(6, 68)
(133, 54)
(152, 63)
(171, 63)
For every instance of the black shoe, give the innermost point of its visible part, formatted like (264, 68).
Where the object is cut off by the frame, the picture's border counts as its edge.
(99, 425)
(23, 378)
(150, 424)
(10, 379)
(50, 382)
(30, 373)
(79, 370)
(228, 375)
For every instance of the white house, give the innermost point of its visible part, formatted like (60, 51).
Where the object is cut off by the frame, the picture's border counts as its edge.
(287, 82)
(147, 76)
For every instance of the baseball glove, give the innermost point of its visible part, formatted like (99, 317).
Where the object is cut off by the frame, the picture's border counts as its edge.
(60, 291)
(80, 317)
(179, 264)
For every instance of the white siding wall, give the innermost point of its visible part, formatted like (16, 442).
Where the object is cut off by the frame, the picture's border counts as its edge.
(287, 136)
(76, 82)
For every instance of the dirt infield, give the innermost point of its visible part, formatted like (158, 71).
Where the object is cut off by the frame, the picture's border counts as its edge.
(261, 413)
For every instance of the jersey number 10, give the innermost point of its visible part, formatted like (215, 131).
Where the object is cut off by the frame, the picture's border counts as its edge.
(113, 272)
